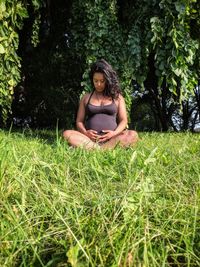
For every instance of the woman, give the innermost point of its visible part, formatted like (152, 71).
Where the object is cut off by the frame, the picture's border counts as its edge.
(102, 119)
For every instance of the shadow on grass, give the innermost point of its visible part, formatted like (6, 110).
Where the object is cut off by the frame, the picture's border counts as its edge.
(48, 136)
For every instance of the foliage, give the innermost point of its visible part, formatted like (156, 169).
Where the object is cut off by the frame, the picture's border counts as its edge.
(71, 207)
(52, 71)
(175, 49)
(154, 44)
(164, 51)
(163, 28)
(100, 36)
(133, 36)
(12, 15)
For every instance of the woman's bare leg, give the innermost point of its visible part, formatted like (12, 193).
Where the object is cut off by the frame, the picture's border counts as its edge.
(77, 139)
(125, 139)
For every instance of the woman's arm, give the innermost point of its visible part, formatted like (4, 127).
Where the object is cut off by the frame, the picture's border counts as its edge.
(122, 116)
(80, 119)
(81, 116)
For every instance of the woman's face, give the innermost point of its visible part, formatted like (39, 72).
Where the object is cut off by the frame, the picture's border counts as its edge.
(99, 82)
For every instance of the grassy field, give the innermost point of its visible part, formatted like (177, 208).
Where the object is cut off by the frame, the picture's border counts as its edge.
(135, 207)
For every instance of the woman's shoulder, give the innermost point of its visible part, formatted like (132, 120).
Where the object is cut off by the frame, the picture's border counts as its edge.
(85, 98)
(87, 95)
(119, 99)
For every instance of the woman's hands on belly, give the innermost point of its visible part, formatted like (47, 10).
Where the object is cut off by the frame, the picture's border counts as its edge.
(106, 135)
(92, 134)
(102, 136)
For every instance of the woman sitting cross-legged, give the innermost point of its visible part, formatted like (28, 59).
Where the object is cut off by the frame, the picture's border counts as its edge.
(101, 120)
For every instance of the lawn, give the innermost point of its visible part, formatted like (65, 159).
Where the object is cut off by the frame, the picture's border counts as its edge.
(135, 207)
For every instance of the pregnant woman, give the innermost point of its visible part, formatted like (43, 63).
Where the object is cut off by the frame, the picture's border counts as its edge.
(102, 120)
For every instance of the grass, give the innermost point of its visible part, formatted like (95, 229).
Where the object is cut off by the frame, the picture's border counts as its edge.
(135, 207)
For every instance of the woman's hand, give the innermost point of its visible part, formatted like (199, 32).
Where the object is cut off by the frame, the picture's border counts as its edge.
(92, 135)
(107, 135)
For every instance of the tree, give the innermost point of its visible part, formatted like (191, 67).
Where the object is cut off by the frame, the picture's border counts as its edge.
(164, 51)
(12, 15)
(154, 44)
(52, 70)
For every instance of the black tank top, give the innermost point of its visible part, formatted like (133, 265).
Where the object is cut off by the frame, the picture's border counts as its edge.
(101, 117)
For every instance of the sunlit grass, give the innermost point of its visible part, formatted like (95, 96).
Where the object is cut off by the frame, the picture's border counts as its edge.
(127, 207)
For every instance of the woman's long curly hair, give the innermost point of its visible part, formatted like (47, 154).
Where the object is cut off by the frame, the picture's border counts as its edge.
(112, 88)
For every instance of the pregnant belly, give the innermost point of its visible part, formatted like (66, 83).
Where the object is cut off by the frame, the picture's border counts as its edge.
(101, 122)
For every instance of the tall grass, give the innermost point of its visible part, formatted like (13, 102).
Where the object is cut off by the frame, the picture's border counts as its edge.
(126, 207)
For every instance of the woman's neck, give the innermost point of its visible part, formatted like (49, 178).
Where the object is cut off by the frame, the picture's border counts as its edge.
(99, 93)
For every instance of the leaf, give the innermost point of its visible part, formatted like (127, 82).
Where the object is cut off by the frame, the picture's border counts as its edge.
(180, 7)
(161, 66)
(2, 8)
(72, 254)
(11, 82)
(177, 71)
(2, 50)
(36, 4)
(21, 11)
(173, 82)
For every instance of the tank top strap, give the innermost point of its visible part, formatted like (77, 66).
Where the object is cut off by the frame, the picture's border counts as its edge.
(86, 106)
